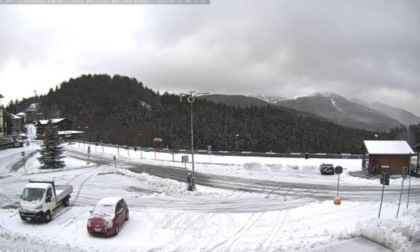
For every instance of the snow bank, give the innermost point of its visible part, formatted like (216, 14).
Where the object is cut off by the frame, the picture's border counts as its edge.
(396, 234)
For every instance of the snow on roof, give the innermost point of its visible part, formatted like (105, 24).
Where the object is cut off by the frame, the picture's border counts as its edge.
(388, 147)
(56, 120)
(109, 201)
(32, 107)
(14, 117)
(38, 185)
(69, 132)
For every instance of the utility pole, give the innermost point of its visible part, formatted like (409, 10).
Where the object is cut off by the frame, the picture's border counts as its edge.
(191, 98)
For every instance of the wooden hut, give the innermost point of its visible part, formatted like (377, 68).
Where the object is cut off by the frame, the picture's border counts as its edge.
(395, 154)
(60, 124)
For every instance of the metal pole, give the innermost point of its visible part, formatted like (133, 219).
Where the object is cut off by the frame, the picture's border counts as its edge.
(338, 183)
(399, 204)
(191, 98)
(382, 197)
(409, 185)
(192, 139)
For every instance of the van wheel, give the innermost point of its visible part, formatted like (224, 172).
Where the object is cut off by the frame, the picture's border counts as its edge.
(47, 217)
(66, 202)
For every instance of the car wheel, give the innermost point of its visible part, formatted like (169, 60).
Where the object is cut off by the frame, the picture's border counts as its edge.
(127, 216)
(117, 229)
(47, 217)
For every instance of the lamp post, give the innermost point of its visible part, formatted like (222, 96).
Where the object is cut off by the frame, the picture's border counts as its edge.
(191, 98)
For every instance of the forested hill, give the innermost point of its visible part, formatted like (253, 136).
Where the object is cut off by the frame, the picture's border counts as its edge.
(122, 110)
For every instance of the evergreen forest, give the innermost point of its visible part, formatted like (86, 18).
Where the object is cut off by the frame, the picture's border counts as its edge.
(121, 110)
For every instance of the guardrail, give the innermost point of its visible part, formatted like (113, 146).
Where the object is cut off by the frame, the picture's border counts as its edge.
(230, 153)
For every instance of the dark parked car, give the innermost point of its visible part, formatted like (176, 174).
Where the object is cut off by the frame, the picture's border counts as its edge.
(108, 216)
(326, 169)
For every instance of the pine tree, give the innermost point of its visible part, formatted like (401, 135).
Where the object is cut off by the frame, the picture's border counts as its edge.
(51, 151)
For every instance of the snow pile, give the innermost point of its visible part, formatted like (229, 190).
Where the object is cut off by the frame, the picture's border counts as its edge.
(162, 185)
(396, 234)
(32, 165)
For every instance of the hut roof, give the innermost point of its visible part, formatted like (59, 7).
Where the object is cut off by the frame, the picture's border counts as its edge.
(388, 147)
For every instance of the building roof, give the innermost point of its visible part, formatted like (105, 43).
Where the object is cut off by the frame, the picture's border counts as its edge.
(53, 121)
(32, 107)
(15, 117)
(70, 132)
(388, 147)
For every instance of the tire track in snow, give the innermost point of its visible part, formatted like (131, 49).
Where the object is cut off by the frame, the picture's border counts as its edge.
(229, 243)
(269, 243)
(225, 223)
(90, 173)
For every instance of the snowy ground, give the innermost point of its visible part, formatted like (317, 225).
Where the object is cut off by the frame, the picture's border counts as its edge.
(221, 220)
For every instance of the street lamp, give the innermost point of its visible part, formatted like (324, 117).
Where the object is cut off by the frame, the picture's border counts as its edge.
(191, 98)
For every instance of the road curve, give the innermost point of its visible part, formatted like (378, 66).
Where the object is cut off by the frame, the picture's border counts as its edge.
(266, 187)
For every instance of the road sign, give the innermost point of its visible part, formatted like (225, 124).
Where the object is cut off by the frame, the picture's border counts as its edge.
(88, 149)
(338, 170)
(404, 172)
(385, 179)
(23, 153)
(185, 159)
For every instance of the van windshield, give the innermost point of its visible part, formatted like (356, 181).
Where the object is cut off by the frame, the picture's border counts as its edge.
(33, 194)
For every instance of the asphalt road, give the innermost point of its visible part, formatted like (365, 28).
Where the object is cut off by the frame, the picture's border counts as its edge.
(267, 187)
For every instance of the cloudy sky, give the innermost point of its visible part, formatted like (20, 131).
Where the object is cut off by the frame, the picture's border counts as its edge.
(359, 49)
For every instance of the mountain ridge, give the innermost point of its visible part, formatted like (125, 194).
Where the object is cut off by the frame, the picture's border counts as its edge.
(342, 111)
(326, 105)
(335, 108)
(121, 110)
(332, 107)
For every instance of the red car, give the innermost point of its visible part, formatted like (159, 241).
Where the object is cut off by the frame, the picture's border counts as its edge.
(108, 216)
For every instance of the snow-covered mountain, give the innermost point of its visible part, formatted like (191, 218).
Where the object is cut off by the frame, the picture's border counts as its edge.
(351, 113)
(270, 99)
(401, 115)
(342, 111)
(236, 100)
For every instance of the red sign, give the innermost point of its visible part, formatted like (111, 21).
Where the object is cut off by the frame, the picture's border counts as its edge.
(157, 144)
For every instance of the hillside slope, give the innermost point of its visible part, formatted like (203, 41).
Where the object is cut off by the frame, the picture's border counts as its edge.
(342, 111)
(122, 110)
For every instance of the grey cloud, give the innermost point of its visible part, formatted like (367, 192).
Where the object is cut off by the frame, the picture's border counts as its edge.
(247, 47)
(331, 42)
